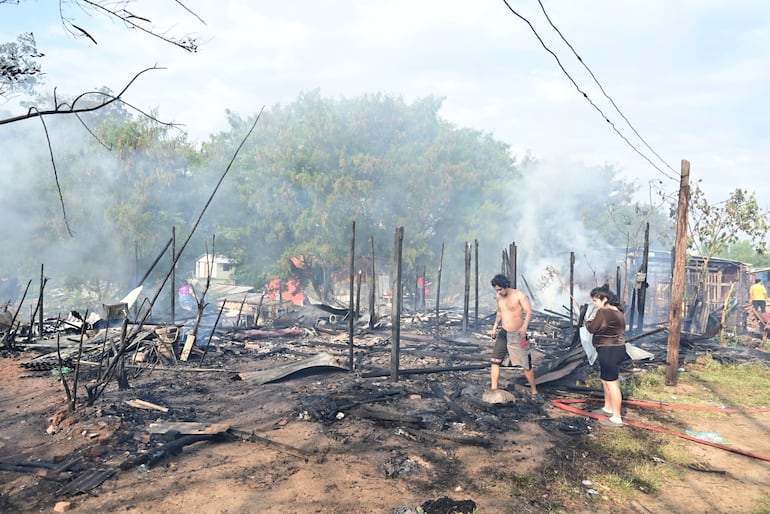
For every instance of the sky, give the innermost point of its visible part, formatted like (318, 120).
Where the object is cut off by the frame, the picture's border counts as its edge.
(659, 82)
(690, 76)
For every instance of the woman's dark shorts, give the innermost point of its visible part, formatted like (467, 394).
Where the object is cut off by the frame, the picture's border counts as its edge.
(610, 358)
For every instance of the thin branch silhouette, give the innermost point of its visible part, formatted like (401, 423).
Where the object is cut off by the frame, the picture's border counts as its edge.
(56, 177)
(187, 43)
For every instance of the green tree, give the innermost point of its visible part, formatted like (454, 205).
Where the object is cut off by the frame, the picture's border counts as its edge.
(745, 251)
(19, 66)
(714, 227)
(318, 164)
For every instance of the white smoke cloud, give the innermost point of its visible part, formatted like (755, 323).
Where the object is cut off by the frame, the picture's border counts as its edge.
(546, 222)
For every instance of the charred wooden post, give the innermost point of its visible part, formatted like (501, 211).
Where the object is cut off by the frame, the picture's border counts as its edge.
(467, 291)
(476, 306)
(642, 295)
(572, 287)
(581, 319)
(77, 365)
(10, 336)
(513, 270)
(505, 267)
(424, 287)
(396, 304)
(438, 290)
(351, 311)
(677, 284)
(70, 401)
(136, 261)
(211, 334)
(173, 274)
(358, 294)
(259, 309)
(372, 290)
(240, 311)
(154, 263)
(40, 301)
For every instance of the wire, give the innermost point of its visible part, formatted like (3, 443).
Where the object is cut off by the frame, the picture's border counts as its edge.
(585, 95)
(602, 88)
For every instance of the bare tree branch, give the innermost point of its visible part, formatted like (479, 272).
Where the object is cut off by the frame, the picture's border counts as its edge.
(183, 6)
(67, 108)
(85, 33)
(88, 129)
(187, 43)
(56, 177)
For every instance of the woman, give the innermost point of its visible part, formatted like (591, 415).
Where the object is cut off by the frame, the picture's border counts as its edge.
(608, 327)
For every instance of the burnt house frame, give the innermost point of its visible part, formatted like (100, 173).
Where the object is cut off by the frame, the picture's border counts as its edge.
(705, 293)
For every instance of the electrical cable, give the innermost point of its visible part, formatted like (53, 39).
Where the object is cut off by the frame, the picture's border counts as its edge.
(542, 7)
(585, 95)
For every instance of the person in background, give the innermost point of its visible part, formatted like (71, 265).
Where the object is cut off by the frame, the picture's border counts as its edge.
(608, 329)
(513, 315)
(758, 296)
(188, 300)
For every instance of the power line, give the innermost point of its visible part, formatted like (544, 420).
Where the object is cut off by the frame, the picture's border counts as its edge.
(585, 95)
(602, 88)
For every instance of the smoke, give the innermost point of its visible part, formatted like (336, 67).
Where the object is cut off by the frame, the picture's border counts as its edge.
(548, 208)
(35, 227)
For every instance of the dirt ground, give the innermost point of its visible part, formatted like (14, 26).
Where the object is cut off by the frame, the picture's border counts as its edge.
(316, 443)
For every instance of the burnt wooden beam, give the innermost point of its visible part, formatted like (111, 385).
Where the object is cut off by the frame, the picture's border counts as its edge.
(167, 450)
(452, 404)
(375, 373)
(458, 438)
(251, 437)
(367, 411)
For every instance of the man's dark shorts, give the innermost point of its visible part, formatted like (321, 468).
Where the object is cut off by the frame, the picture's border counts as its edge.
(510, 344)
(759, 305)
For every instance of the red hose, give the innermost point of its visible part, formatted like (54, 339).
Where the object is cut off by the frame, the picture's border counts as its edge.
(564, 404)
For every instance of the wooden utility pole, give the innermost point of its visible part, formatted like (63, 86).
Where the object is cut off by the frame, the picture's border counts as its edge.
(677, 282)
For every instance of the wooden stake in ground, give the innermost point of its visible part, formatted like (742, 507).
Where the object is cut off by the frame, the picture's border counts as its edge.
(372, 291)
(677, 284)
(396, 304)
(476, 281)
(438, 290)
(351, 311)
(467, 290)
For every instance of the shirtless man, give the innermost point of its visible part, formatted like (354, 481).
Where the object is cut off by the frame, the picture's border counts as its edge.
(513, 313)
